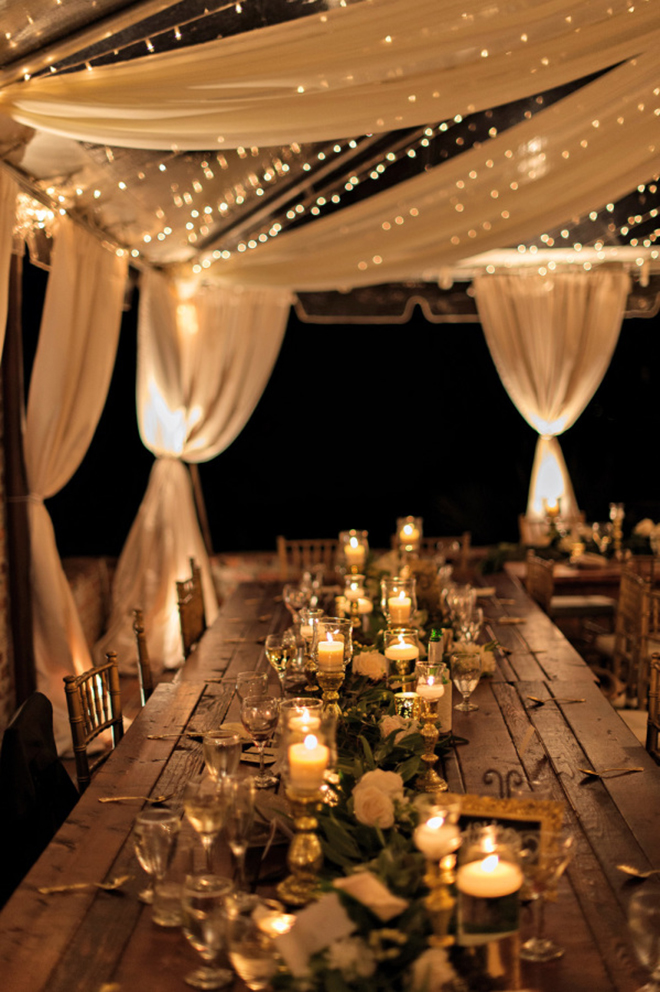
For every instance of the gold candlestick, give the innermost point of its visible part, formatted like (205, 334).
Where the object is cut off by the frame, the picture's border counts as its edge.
(305, 855)
(440, 902)
(330, 683)
(430, 781)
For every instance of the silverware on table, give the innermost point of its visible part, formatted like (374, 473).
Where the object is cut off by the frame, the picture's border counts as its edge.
(111, 886)
(156, 800)
(606, 771)
(638, 873)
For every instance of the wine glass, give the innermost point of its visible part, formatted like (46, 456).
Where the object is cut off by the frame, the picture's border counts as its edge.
(295, 597)
(222, 752)
(205, 926)
(259, 715)
(465, 674)
(156, 831)
(470, 624)
(543, 868)
(205, 810)
(644, 923)
(239, 794)
(251, 683)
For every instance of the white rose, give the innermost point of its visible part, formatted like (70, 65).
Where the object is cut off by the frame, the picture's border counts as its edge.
(388, 724)
(370, 663)
(432, 971)
(373, 807)
(352, 957)
(487, 662)
(645, 527)
(388, 782)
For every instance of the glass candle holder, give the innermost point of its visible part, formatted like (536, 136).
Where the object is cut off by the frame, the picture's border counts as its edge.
(307, 618)
(332, 649)
(401, 648)
(430, 689)
(398, 601)
(488, 880)
(409, 533)
(354, 546)
(354, 602)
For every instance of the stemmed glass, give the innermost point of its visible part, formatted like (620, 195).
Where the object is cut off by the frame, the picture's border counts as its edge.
(156, 831)
(251, 683)
(222, 752)
(470, 624)
(205, 926)
(259, 715)
(465, 674)
(543, 869)
(205, 810)
(644, 923)
(250, 946)
(295, 597)
(239, 794)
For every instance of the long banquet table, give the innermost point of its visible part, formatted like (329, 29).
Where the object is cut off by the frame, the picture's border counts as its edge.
(97, 941)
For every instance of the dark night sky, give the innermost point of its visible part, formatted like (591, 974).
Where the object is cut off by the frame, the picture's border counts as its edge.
(360, 424)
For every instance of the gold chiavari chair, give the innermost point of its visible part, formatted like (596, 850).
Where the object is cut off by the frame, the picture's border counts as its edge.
(649, 641)
(145, 676)
(94, 705)
(192, 615)
(540, 584)
(296, 557)
(653, 721)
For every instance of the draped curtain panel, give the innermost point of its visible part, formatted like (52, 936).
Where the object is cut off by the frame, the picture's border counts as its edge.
(68, 388)
(203, 363)
(371, 67)
(551, 338)
(8, 194)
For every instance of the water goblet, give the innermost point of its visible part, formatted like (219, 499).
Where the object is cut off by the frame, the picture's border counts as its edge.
(644, 924)
(205, 926)
(250, 946)
(465, 674)
(470, 624)
(205, 810)
(543, 868)
(259, 715)
(251, 683)
(239, 794)
(156, 831)
(295, 597)
(222, 752)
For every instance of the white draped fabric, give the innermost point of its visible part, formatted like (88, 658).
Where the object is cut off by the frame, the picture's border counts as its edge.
(371, 67)
(203, 363)
(68, 387)
(591, 148)
(551, 338)
(8, 193)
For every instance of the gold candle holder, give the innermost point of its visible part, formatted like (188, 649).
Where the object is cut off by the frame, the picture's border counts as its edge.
(330, 682)
(430, 781)
(305, 855)
(440, 903)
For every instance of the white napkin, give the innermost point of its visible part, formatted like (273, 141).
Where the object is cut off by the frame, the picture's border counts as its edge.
(370, 891)
(317, 926)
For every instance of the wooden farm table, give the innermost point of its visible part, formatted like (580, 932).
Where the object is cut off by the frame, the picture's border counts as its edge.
(97, 941)
(573, 580)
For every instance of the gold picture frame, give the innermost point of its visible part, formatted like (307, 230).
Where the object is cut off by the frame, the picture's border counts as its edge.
(540, 817)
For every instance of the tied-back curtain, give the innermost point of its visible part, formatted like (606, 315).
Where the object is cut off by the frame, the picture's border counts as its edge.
(68, 388)
(551, 338)
(203, 363)
(8, 194)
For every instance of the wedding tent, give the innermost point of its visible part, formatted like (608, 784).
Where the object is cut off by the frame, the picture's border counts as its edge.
(240, 157)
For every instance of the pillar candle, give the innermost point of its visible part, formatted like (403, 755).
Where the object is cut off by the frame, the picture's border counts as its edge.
(399, 608)
(489, 879)
(330, 656)
(308, 761)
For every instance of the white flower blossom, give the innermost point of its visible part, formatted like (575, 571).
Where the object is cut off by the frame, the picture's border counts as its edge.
(353, 957)
(432, 971)
(373, 664)
(404, 726)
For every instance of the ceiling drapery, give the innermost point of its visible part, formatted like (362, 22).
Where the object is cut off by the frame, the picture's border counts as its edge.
(591, 148)
(551, 339)
(368, 68)
(8, 192)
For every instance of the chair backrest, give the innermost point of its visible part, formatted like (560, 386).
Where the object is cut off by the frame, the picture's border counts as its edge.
(192, 614)
(653, 722)
(631, 610)
(36, 791)
(539, 579)
(648, 566)
(455, 550)
(296, 557)
(649, 640)
(94, 704)
(145, 676)
(535, 532)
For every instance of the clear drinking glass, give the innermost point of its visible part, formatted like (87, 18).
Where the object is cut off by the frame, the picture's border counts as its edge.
(259, 715)
(251, 951)
(296, 597)
(542, 870)
(239, 794)
(222, 752)
(465, 674)
(205, 926)
(205, 810)
(155, 835)
(644, 923)
(251, 684)
(470, 624)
